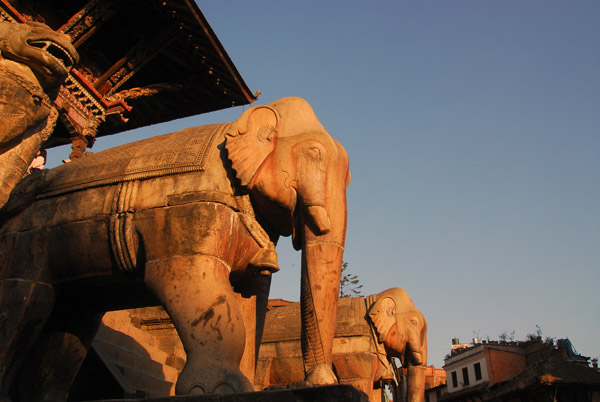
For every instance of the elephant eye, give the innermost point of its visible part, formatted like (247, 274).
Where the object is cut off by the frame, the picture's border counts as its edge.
(314, 152)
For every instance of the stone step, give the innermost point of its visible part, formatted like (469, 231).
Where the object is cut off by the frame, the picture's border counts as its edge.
(120, 321)
(124, 356)
(120, 341)
(152, 386)
(149, 357)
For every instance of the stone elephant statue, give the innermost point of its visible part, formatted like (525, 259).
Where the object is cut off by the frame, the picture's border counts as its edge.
(34, 61)
(369, 332)
(183, 219)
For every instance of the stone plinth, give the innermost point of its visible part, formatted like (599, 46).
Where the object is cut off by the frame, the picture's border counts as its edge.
(331, 393)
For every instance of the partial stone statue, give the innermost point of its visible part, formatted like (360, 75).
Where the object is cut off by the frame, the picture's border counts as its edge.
(188, 220)
(34, 61)
(369, 333)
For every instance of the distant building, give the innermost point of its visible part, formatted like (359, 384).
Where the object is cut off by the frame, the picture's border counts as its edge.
(436, 393)
(434, 377)
(519, 371)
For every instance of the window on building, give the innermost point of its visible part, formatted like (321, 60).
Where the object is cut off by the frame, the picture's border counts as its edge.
(477, 368)
(454, 380)
(465, 373)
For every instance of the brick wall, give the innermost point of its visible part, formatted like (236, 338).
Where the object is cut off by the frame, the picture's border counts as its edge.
(504, 364)
(434, 377)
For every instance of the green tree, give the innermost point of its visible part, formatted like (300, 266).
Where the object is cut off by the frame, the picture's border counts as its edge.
(507, 336)
(349, 284)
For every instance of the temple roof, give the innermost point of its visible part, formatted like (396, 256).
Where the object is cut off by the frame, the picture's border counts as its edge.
(141, 62)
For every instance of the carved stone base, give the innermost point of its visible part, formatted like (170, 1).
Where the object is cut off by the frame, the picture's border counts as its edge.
(331, 393)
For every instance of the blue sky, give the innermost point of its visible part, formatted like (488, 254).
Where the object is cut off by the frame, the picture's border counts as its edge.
(473, 130)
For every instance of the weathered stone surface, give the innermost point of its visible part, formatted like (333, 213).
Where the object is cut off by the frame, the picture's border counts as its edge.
(200, 241)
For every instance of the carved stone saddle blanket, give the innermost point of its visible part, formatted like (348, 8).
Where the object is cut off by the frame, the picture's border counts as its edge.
(184, 151)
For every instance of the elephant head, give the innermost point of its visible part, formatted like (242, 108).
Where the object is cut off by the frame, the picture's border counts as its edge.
(402, 329)
(49, 54)
(297, 175)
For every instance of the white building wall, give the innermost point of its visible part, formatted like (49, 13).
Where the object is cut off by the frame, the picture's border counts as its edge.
(431, 395)
(466, 360)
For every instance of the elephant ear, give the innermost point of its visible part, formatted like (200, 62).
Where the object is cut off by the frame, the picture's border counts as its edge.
(249, 141)
(383, 316)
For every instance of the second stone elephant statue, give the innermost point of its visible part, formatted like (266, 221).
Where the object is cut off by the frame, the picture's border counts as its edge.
(185, 220)
(369, 333)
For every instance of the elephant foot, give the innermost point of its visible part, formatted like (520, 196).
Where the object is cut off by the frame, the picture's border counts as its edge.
(321, 374)
(234, 384)
(215, 382)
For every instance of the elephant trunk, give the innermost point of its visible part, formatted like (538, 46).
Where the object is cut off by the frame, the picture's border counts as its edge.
(323, 237)
(416, 360)
(320, 281)
(415, 391)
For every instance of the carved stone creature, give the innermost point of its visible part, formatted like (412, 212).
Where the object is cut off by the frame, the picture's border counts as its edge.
(183, 216)
(34, 61)
(369, 332)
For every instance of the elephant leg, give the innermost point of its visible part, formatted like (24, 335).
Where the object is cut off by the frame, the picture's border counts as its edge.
(252, 293)
(54, 361)
(24, 308)
(196, 292)
(247, 308)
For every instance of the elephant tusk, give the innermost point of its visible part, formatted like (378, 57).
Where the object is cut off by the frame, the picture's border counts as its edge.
(319, 219)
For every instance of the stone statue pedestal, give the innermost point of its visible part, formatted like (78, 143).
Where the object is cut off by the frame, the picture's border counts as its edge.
(330, 393)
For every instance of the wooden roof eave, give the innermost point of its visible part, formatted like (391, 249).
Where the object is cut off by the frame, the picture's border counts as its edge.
(221, 51)
(101, 114)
